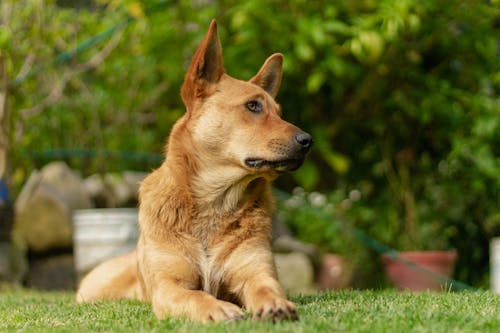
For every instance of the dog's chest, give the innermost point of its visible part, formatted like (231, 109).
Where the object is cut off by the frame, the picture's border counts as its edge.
(211, 226)
(220, 237)
(211, 273)
(206, 230)
(215, 240)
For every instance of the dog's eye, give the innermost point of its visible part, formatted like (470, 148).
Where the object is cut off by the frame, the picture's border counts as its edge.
(254, 106)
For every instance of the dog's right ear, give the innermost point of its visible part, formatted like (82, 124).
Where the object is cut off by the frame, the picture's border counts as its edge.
(205, 70)
(269, 76)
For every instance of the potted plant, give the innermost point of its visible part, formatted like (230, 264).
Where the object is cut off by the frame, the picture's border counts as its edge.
(420, 270)
(416, 226)
(311, 218)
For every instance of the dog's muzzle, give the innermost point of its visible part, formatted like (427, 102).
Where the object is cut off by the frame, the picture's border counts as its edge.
(290, 161)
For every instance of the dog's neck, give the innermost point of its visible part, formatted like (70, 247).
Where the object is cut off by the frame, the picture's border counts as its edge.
(216, 190)
(221, 191)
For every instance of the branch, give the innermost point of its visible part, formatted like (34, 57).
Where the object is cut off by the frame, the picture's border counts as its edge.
(55, 96)
(6, 10)
(57, 92)
(99, 57)
(26, 67)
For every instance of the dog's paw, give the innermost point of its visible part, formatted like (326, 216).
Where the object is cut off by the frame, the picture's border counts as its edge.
(221, 311)
(276, 309)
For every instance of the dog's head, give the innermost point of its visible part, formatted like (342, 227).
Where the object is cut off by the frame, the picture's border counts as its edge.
(238, 122)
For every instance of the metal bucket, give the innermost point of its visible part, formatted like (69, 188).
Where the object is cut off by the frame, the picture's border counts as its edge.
(102, 234)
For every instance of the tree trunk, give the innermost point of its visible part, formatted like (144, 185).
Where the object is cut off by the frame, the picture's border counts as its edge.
(4, 118)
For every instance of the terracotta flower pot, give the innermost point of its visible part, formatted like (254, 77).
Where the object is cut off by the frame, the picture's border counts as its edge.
(335, 272)
(412, 273)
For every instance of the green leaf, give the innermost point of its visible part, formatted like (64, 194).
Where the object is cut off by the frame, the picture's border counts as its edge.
(339, 162)
(304, 51)
(5, 37)
(315, 81)
(307, 175)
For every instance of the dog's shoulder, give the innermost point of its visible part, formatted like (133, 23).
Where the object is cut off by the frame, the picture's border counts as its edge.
(164, 203)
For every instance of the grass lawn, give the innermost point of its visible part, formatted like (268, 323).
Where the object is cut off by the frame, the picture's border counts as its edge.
(344, 311)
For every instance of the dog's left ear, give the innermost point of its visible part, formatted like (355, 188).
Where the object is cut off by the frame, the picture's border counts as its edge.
(205, 69)
(269, 75)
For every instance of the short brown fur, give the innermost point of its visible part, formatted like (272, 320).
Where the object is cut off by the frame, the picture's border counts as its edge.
(205, 213)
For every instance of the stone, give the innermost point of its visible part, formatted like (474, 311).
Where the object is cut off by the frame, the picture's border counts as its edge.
(133, 180)
(68, 183)
(6, 221)
(99, 192)
(279, 228)
(114, 190)
(43, 209)
(287, 244)
(125, 187)
(295, 272)
(13, 263)
(119, 188)
(52, 273)
(44, 220)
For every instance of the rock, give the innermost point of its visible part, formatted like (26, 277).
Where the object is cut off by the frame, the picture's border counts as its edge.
(5, 270)
(99, 192)
(295, 272)
(120, 189)
(13, 263)
(52, 273)
(286, 244)
(67, 183)
(114, 190)
(279, 228)
(44, 207)
(12, 260)
(28, 189)
(44, 219)
(133, 180)
(6, 220)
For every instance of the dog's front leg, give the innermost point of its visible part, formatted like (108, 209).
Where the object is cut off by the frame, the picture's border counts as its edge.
(252, 277)
(173, 299)
(171, 283)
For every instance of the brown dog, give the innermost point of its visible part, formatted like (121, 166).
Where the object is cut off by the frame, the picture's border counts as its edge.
(205, 214)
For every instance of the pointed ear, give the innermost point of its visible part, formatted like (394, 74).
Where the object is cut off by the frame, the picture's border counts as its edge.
(205, 69)
(269, 76)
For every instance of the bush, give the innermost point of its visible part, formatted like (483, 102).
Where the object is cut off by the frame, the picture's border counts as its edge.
(401, 97)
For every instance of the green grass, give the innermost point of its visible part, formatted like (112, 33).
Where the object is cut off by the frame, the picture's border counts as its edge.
(345, 311)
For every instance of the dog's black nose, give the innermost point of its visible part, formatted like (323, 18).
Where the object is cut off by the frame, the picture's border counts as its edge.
(304, 139)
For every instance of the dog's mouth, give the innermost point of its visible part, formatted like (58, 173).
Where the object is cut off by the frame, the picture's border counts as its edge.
(290, 164)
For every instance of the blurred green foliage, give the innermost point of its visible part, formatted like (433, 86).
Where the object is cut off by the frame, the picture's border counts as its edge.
(401, 97)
